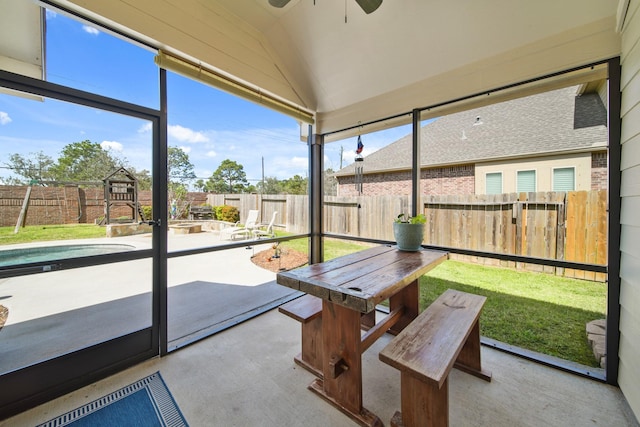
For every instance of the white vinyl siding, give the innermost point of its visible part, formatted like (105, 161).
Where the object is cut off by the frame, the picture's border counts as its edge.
(526, 181)
(494, 183)
(564, 179)
(629, 351)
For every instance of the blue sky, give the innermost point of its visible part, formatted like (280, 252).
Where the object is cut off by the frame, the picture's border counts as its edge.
(208, 124)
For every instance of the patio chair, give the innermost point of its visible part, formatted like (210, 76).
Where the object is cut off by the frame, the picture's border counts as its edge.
(238, 230)
(269, 232)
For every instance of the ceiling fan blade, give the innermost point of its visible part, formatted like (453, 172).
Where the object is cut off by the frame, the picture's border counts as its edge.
(278, 3)
(367, 5)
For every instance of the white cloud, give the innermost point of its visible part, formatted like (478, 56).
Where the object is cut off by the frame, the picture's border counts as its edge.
(283, 167)
(111, 145)
(204, 173)
(183, 134)
(145, 128)
(90, 30)
(185, 149)
(299, 162)
(250, 147)
(4, 118)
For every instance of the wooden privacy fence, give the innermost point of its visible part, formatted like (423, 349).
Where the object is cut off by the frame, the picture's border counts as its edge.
(553, 225)
(293, 211)
(556, 225)
(363, 216)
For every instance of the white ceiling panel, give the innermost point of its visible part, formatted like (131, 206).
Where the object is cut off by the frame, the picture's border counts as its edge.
(406, 54)
(21, 38)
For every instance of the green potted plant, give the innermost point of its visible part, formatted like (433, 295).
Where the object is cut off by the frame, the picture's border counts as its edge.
(409, 231)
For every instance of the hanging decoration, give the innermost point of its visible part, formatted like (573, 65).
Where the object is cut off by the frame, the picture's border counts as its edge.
(359, 165)
(368, 6)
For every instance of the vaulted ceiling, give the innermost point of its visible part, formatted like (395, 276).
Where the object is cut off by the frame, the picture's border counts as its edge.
(407, 54)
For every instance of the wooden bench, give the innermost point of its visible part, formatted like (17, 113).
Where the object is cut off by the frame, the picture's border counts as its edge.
(446, 334)
(308, 310)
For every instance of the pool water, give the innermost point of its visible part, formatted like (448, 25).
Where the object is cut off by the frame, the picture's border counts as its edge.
(49, 253)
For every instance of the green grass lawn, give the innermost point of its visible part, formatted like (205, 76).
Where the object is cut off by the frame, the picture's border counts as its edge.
(535, 311)
(333, 248)
(41, 233)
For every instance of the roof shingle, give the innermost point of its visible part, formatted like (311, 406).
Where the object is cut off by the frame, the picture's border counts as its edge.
(550, 122)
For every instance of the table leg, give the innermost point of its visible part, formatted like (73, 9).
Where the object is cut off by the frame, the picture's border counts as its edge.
(408, 298)
(341, 384)
(368, 320)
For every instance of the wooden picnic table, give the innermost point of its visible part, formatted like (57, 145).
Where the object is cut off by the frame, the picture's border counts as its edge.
(350, 287)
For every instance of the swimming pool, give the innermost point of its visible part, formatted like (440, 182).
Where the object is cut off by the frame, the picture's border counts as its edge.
(49, 253)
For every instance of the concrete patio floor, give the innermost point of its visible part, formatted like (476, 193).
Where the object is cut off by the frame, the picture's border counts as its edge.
(245, 376)
(44, 308)
(105, 282)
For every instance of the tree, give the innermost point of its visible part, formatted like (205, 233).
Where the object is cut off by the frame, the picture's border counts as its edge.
(200, 185)
(79, 161)
(34, 167)
(85, 161)
(229, 178)
(180, 171)
(179, 167)
(143, 177)
(295, 185)
(271, 185)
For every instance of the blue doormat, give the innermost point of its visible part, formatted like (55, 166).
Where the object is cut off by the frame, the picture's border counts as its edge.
(145, 403)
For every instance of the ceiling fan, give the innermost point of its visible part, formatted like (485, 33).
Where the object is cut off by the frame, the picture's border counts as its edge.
(367, 5)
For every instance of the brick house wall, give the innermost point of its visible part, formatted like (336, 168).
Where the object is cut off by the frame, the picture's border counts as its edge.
(445, 181)
(434, 181)
(599, 174)
(449, 180)
(376, 184)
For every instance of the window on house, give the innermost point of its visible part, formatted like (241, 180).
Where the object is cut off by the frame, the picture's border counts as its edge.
(526, 181)
(494, 183)
(564, 179)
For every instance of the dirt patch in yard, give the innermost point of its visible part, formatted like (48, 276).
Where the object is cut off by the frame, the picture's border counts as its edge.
(288, 260)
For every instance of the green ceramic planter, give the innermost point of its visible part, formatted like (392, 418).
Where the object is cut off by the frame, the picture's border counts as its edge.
(408, 236)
